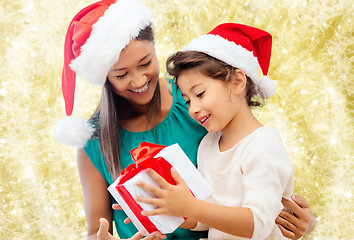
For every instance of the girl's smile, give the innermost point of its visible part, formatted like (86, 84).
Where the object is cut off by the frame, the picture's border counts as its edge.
(204, 120)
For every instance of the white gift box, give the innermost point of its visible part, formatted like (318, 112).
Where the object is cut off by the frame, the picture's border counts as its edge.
(175, 156)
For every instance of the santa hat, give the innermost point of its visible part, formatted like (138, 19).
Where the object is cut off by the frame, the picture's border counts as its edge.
(94, 40)
(240, 46)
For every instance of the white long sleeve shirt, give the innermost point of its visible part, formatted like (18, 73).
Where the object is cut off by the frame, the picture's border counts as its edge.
(255, 173)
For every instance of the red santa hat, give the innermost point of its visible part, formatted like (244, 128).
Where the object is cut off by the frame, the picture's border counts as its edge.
(244, 47)
(94, 40)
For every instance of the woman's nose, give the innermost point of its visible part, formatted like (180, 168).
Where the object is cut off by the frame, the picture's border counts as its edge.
(139, 79)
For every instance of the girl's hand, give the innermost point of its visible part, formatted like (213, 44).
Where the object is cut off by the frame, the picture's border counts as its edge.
(103, 233)
(172, 200)
(301, 222)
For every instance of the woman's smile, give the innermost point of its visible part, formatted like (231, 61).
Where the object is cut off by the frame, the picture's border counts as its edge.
(142, 90)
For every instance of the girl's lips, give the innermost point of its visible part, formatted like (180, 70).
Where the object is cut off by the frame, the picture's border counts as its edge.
(142, 90)
(204, 120)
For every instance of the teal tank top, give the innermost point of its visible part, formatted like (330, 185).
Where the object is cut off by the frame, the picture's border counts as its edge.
(177, 127)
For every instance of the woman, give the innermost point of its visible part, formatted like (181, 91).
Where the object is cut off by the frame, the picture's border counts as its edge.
(111, 44)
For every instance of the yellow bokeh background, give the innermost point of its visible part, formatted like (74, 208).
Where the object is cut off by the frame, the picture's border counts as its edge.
(312, 62)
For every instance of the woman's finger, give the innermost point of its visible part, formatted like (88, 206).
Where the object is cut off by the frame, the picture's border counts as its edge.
(293, 207)
(286, 224)
(137, 235)
(155, 236)
(103, 233)
(289, 217)
(286, 232)
(127, 220)
(300, 201)
(116, 206)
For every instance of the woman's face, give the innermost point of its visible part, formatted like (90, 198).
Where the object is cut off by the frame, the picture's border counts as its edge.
(136, 73)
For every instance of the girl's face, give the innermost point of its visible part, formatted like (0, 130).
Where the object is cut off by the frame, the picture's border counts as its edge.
(136, 73)
(210, 101)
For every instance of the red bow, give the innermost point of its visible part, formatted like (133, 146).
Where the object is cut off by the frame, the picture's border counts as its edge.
(143, 157)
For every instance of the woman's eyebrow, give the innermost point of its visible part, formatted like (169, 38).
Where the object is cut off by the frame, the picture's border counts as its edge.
(142, 59)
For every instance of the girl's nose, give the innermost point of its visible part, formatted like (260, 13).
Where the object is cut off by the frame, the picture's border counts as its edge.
(193, 109)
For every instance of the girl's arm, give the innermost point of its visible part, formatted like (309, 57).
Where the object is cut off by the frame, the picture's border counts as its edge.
(178, 201)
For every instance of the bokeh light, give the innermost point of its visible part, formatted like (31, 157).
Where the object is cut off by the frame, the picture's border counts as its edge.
(312, 62)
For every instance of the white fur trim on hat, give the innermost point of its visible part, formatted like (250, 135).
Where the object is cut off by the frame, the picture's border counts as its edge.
(226, 51)
(234, 55)
(267, 86)
(121, 22)
(73, 131)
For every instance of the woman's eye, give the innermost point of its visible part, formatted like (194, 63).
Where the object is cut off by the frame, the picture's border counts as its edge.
(200, 94)
(146, 64)
(121, 76)
(187, 102)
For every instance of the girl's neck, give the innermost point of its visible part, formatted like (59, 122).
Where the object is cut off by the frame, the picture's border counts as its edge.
(243, 125)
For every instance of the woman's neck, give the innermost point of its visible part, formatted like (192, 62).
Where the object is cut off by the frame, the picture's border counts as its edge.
(137, 117)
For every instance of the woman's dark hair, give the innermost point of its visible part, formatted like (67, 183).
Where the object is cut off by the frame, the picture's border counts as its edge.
(109, 114)
(211, 67)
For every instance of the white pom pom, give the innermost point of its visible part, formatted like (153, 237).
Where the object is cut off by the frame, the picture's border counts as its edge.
(73, 131)
(267, 86)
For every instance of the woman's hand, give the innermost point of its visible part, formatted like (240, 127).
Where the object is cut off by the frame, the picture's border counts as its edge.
(301, 222)
(171, 200)
(103, 233)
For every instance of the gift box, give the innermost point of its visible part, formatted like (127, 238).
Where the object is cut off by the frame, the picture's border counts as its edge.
(161, 159)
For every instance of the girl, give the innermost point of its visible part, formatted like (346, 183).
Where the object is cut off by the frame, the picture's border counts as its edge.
(245, 162)
(110, 43)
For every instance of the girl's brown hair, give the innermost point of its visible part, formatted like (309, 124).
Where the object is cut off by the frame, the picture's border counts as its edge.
(211, 67)
(108, 115)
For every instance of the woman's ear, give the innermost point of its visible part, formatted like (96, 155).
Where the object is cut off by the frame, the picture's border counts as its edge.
(239, 82)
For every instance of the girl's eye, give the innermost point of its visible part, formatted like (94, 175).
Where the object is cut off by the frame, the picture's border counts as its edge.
(200, 94)
(188, 102)
(121, 76)
(146, 64)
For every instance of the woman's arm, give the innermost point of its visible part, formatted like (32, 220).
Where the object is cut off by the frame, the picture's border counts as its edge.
(97, 201)
(298, 224)
(178, 201)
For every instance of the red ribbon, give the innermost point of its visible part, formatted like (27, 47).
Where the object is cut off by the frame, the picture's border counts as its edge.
(143, 157)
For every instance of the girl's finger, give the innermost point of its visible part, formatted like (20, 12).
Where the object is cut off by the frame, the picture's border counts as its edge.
(151, 201)
(178, 179)
(150, 188)
(160, 180)
(157, 211)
